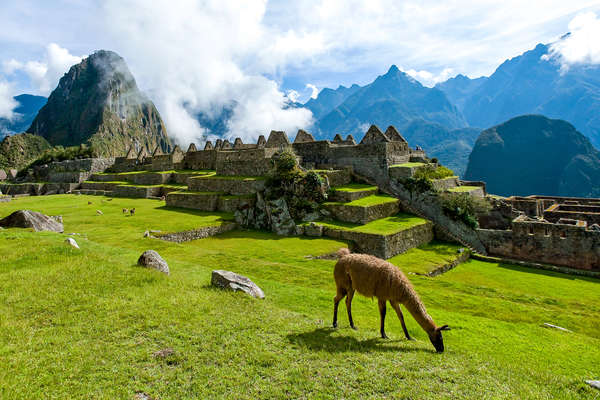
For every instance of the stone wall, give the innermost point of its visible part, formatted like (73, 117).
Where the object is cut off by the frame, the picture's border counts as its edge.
(199, 160)
(590, 214)
(227, 186)
(385, 246)
(137, 191)
(362, 215)
(558, 244)
(248, 162)
(196, 201)
(195, 234)
(71, 171)
(445, 183)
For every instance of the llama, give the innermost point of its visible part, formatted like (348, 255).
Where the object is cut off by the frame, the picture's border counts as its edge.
(372, 276)
(132, 211)
(125, 211)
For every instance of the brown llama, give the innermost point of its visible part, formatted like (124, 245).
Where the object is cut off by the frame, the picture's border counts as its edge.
(374, 277)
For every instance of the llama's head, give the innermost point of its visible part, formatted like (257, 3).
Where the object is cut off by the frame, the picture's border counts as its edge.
(436, 338)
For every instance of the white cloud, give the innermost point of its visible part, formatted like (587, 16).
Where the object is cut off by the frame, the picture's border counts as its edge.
(293, 95)
(582, 45)
(200, 57)
(7, 102)
(314, 91)
(45, 74)
(429, 79)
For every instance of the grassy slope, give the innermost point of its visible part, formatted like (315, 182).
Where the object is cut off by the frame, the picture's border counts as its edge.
(354, 187)
(382, 226)
(369, 201)
(81, 324)
(426, 258)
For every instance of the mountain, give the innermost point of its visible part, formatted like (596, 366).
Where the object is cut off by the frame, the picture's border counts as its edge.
(532, 83)
(329, 99)
(533, 154)
(18, 150)
(28, 107)
(451, 146)
(391, 99)
(98, 103)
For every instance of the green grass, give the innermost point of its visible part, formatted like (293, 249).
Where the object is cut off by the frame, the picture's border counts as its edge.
(122, 173)
(463, 189)
(111, 182)
(187, 171)
(408, 165)
(369, 201)
(232, 177)
(85, 324)
(198, 193)
(383, 226)
(354, 187)
(426, 258)
(166, 185)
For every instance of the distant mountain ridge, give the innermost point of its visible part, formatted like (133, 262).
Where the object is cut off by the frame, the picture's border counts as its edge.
(531, 83)
(533, 154)
(28, 107)
(98, 103)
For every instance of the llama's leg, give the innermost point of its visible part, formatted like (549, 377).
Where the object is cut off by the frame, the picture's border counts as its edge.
(341, 292)
(349, 307)
(401, 318)
(382, 315)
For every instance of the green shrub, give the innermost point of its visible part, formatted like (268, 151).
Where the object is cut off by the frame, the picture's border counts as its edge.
(286, 162)
(464, 207)
(432, 172)
(418, 185)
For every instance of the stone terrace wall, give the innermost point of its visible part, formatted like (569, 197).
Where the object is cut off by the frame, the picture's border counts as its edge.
(205, 159)
(371, 160)
(71, 171)
(558, 244)
(247, 162)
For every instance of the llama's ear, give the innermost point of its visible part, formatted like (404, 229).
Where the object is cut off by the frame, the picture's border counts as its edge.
(444, 328)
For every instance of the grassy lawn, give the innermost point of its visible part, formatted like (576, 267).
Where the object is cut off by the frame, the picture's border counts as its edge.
(383, 226)
(354, 187)
(369, 201)
(86, 323)
(230, 177)
(426, 258)
(408, 165)
(463, 189)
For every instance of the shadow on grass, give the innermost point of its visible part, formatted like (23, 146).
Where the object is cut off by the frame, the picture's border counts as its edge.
(553, 274)
(322, 339)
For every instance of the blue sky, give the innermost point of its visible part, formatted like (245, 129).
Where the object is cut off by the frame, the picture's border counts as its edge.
(211, 53)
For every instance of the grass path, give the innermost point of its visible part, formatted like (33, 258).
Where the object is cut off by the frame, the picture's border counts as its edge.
(85, 324)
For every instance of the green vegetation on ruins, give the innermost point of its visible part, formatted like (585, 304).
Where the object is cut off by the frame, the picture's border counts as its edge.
(87, 323)
(408, 165)
(382, 226)
(424, 259)
(463, 189)
(354, 187)
(369, 201)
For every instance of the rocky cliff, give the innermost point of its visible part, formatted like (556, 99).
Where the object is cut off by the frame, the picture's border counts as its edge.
(533, 154)
(98, 103)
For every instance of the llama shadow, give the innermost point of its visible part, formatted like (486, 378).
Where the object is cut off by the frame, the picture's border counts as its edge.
(321, 339)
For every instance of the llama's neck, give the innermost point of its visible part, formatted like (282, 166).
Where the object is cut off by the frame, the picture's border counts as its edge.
(416, 308)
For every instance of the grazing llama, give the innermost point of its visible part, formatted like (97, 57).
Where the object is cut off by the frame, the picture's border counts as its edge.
(374, 277)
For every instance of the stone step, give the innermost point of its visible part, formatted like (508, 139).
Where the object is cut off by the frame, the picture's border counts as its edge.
(384, 238)
(230, 185)
(335, 177)
(352, 192)
(475, 191)
(93, 185)
(145, 191)
(364, 210)
(209, 201)
(445, 183)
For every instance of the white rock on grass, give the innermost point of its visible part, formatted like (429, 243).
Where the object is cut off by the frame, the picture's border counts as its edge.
(99, 212)
(232, 281)
(594, 384)
(71, 242)
(151, 259)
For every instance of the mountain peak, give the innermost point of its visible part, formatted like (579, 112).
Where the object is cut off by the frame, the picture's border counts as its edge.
(393, 70)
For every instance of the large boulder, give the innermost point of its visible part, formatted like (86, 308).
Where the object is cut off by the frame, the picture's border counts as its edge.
(232, 281)
(281, 220)
(151, 259)
(31, 219)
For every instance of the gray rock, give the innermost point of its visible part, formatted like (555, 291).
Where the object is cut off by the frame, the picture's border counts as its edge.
(594, 384)
(311, 217)
(313, 230)
(232, 281)
(31, 219)
(99, 212)
(146, 234)
(57, 218)
(281, 220)
(151, 259)
(71, 242)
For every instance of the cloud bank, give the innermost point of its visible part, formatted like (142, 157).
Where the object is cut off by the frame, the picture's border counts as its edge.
(7, 102)
(44, 74)
(203, 57)
(582, 45)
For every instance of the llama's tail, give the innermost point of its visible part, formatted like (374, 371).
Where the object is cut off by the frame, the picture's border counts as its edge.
(344, 251)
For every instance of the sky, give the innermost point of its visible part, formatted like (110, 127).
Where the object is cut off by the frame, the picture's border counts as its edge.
(255, 56)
